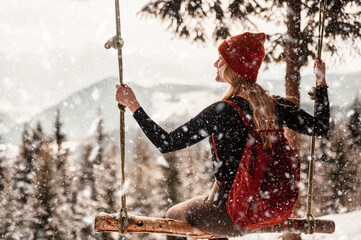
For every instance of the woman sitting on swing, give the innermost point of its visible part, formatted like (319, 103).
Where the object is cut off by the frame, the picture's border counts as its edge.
(238, 64)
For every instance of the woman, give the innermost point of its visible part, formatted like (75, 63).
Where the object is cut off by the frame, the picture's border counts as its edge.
(240, 59)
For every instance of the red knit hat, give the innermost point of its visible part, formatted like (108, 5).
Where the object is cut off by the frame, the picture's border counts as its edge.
(244, 54)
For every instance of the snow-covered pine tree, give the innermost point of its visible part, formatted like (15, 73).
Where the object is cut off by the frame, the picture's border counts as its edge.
(171, 180)
(110, 183)
(2, 170)
(23, 187)
(354, 145)
(7, 210)
(61, 153)
(105, 175)
(62, 179)
(25, 168)
(6, 195)
(301, 205)
(322, 183)
(208, 170)
(197, 172)
(354, 124)
(87, 176)
(59, 136)
(100, 138)
(142, 178)
(338, 173)
(86, 195)
(46, 223)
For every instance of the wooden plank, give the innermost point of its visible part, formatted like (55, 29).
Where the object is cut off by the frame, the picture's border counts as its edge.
(137, 224)
(298, 225)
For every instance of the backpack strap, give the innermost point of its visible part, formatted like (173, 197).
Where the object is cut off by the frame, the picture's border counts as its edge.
(244, 118)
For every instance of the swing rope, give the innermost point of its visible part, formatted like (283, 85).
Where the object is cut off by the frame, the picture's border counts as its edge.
(117, 42)
(311, 170)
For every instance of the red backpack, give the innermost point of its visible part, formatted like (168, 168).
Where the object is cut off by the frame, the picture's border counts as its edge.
(265, 187)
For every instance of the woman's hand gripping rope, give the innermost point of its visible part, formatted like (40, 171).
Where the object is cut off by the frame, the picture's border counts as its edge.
(319, 69)
(126, 97)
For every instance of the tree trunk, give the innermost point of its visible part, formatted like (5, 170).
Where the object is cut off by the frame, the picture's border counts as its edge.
(293, 60)
(292, 51)
(293, 76)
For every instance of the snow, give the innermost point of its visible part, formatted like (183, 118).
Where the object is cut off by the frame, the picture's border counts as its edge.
(348, 227)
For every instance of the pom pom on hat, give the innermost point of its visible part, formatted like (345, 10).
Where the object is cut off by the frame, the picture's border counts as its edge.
(244, 54)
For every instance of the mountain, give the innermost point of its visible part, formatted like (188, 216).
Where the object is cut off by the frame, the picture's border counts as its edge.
(81, 110)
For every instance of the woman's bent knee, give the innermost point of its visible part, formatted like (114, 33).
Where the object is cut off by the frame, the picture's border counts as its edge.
(176, 212)
(182, 210)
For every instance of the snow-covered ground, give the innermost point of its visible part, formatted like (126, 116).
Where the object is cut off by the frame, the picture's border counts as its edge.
(348, 227)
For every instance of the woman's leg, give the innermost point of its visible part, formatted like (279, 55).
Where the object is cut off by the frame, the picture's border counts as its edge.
(183, 210)
(180, 212)
(207, 213)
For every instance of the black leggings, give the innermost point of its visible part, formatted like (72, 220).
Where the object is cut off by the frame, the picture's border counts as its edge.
(207, 213)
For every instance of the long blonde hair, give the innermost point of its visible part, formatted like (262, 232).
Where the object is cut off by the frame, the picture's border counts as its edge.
(259, 98)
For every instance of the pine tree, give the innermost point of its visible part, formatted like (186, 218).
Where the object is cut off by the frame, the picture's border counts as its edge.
(7, 207)
(23, 187)
(59, 135)
(104, 173)
(354, 124)
(86, 196)
(2, 170)
(88, 171)
(6, 196)
(46, 198)
(197, 171)
(171, 179)
(339, 174)
(100, 135)
(61, 154)
(354, 149)
(26, 167)
(47, 222)
(141, 178)
(62, 179)
(110, 181)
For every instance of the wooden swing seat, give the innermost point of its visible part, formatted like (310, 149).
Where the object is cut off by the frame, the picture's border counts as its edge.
(137, 224)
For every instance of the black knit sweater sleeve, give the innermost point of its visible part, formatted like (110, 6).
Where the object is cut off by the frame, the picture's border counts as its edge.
(291, 116)
(198, 128)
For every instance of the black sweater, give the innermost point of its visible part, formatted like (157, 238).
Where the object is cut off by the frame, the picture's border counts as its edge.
(230, 132)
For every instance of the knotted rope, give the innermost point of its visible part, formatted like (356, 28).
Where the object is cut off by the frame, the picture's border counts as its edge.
(117, 42)
(309, 217)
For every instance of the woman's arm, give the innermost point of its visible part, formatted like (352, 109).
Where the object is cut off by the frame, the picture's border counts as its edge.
(195, 130)
(293, 117)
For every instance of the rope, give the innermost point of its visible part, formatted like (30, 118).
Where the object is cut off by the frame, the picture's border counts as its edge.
(309, 217)
(117, 42)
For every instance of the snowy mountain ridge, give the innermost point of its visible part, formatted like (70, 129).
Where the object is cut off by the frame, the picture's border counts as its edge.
(80, 110)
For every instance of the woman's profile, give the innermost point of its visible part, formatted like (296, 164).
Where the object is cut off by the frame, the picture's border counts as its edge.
(240, 58)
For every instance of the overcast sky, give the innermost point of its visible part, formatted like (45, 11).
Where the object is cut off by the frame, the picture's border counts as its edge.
(50, 49)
